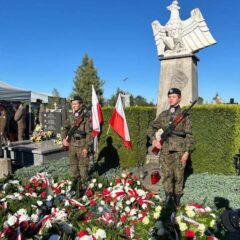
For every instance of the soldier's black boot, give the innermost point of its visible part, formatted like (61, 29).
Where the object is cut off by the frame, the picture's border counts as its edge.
(168, 198)
(177, 198)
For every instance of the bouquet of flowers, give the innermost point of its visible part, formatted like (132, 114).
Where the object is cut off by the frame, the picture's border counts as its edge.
(40, 135)
(196, 222)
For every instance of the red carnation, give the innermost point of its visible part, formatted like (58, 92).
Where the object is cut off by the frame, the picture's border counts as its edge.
(31, 190)
(123, 218)
(36, 184)
(27, 185)
(82, 233)
(44, 185)
(189, 234)
(128, 231)
(43, 194)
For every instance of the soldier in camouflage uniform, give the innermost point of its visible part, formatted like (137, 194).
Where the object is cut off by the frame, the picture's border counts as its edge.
(78, 144)
(175, 150)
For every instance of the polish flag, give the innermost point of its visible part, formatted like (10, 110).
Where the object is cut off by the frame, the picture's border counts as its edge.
(96, 114)
(119, 123)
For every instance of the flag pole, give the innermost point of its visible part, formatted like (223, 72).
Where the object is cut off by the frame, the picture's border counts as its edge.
(108, 129)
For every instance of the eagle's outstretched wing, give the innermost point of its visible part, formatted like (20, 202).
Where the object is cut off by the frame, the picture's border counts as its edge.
(195, 33)
(159, 33)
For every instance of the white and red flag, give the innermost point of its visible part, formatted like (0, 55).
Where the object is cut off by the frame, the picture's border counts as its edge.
(119, 123)
(96, 114)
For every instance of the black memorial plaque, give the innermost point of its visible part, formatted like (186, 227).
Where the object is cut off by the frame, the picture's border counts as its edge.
(52, 121)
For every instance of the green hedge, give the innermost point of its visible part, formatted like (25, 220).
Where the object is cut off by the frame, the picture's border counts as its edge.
(138, 119)
(216, 130)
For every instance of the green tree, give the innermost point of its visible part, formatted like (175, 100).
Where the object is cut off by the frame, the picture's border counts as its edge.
(85, 76)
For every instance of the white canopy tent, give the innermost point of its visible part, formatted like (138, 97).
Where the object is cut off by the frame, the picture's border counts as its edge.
(14, 94)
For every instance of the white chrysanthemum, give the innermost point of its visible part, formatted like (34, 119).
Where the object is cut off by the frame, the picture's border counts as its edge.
(144, 206)
(94, 180)
(112, 204)
(178, 219)
(39, 203)
(183, 227)
(66, 203)
(158, 209)
(102, 202)
(201, 228)
(133, 211)
(49, 197)
(140, 215)
(100, 185)
(132, 199)
(138, 183)
(213, 215)
(34, 218)
(141, 193)
(24, 218)
(22, 211)
(208, 209)
(11, 220)
(100, 233)
(212, 223)
(127, 209)
(100, 209)
(85, 198)
(63, 191)
(156, 215)
(146, 220)
(34, 194)
(48, 224)
(91, 185)
(190, 213)
(110, 184)
(128, 202)
(124, 175)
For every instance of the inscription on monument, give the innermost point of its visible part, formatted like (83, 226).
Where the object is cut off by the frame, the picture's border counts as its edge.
(52, 121)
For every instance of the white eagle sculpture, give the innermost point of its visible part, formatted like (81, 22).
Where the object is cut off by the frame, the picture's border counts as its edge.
(181, 37)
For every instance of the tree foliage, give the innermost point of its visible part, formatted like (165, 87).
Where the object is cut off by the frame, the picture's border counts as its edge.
(85, 76)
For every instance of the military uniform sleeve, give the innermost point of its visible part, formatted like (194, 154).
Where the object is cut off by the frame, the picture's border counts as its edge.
(88, 130)
(65, 128)
(154, 127)
(189, 136)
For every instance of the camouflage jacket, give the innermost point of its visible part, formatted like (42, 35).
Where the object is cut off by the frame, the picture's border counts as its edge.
(174, 142)
(83, 135)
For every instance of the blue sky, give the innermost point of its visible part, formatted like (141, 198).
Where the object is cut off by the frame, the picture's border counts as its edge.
(43, 41)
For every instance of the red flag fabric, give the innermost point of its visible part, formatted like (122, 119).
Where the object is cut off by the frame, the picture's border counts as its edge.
(119, 123)
(96, 114)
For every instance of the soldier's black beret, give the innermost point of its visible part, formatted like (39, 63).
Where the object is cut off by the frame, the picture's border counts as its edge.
(174, 91)
(76, 98)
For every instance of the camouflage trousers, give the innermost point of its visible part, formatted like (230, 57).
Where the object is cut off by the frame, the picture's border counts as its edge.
(78, 163)
(173, 172)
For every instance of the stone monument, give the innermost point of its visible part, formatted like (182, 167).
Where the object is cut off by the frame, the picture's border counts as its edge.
(177, 42)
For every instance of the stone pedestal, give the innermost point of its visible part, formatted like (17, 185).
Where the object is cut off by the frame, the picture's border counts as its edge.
(179, 71)
(5, 167)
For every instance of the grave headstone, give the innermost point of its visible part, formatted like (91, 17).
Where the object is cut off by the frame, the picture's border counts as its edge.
(52, 121)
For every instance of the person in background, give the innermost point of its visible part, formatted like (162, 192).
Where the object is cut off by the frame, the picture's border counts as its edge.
(19, 117)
